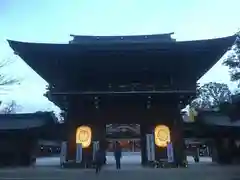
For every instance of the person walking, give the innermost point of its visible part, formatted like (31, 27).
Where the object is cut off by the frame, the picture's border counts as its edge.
(118, 155)
(33, 156)
(99, 160)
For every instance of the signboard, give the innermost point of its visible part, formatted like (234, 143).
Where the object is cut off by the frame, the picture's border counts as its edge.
(95, 148)
(78, 153)
(63, 153)
(150, 147)
(170, 153)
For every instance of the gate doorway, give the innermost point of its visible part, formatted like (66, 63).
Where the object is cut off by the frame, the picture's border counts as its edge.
(128, 137)
(127, 145)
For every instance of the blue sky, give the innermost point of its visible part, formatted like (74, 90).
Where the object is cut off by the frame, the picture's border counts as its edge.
(53, 20)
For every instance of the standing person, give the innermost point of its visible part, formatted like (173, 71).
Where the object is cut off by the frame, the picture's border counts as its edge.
(118, 155)
(196, 155)
(33, 156)
(99, 160)
(33, 160)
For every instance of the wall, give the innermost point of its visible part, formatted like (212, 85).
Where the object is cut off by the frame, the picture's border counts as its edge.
(16, 148)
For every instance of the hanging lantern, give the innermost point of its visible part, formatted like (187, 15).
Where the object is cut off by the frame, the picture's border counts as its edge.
(162, 135)
(84, 136)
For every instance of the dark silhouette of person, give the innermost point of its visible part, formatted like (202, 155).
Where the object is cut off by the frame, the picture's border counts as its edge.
(118, 155)
(99, 160)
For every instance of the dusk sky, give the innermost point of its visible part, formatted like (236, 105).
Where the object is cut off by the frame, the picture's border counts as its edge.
(54, 20)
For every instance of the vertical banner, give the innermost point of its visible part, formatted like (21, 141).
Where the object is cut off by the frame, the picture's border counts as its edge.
(95, 148)
(79, 153)
(63, 153)
(150, 147)
(152, 144)
(170, 153)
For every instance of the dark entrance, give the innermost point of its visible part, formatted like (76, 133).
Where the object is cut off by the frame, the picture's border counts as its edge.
(127, 135)
(144, 80)
(129, 138)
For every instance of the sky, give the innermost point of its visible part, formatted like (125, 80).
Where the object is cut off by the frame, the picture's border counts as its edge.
(52, 21)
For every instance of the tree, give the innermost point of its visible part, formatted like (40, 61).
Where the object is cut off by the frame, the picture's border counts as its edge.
(4, 79)
(211, 95)
(233, 61)
(10, 108)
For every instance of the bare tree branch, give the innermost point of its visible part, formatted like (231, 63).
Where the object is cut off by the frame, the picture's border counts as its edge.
(10, 108)
(6, 80)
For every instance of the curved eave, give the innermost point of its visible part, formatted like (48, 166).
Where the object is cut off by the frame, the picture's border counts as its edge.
(44, 58)
(21, 47)
(25, 121)
(211, 118)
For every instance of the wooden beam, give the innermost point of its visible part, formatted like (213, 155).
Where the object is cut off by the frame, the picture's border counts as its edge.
(123, 92)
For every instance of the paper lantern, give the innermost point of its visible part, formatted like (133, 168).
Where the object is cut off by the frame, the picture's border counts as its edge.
(162, 135)
(84, 136)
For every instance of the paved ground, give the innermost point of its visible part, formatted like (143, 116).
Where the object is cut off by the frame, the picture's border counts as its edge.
(48, 169)
(128, 158)
(196, 172)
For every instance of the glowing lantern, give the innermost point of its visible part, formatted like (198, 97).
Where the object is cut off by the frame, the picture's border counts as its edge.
(84, 136)
(162, 135)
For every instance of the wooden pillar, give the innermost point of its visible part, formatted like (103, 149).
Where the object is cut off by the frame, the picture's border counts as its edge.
(160, 152)
(98, 134)
(224, 150)
(178, 140)
(70, 131)
(170, 117)
(79, 114)
(71, 141)
(143, 131)
(177, 135)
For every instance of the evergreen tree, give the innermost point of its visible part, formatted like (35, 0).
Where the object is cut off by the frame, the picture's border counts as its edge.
(233, 61)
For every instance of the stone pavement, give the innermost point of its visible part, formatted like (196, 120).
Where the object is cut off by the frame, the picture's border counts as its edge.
(129, 172)
(48, 169)
(128, 158)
